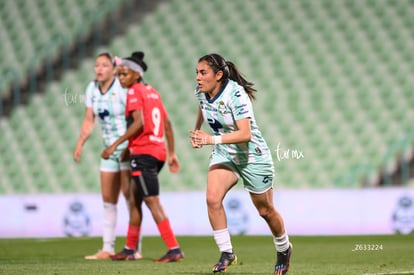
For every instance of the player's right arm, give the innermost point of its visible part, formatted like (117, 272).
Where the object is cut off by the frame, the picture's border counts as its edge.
(85, 132)
(134, 129)
(199, 120)
(198, 124)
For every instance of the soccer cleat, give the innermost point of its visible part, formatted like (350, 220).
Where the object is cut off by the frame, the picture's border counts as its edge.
(100, 255)
(283, 261)
(226, 259)
(173, 255)
(124, 255)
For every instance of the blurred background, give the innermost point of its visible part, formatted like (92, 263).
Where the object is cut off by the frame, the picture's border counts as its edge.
(334, 78)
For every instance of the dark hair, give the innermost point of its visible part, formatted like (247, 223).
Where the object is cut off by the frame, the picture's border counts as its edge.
(138, 57)
(230, 71)
(109, 56)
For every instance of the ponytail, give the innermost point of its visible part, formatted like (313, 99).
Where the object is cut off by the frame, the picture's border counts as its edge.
(230, 71)
(234, 74)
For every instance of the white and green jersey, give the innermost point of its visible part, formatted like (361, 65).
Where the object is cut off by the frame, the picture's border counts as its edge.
(110, 109)
(232, 103)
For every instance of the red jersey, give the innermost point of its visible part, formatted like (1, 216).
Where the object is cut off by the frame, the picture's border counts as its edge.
(151, 140)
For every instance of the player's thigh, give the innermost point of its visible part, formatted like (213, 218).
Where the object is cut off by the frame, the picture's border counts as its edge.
(144, 171)
(221, 178)
(110, 179)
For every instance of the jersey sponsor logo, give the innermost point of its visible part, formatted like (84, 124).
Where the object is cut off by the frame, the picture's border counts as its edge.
(156, 139)
(241, 109)
(131, 91)
(242, 112)
(208, 108)
(103, 113)
(214, 124)
(153, 96)
(132, 100)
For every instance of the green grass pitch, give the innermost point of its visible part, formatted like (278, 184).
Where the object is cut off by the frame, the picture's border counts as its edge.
(391, 254)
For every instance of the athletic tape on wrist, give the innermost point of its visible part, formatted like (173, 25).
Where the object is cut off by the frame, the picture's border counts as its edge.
(217, 140)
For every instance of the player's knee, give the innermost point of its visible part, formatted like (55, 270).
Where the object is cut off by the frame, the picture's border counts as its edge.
(110, 198)
(213, 202)
(152, 202)
(265, 212)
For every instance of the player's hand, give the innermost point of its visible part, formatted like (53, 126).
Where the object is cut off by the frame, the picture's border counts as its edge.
(194, 144)
(77, 154)
(199, 138)
(173, 164)
(108, 151)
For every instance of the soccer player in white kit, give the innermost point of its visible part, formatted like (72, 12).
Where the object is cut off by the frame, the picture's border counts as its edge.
(106, 100)
(239, 151)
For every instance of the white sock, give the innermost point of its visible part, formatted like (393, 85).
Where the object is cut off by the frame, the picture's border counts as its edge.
(281, 243)
(222, 238)
(109, 224)
(139, 244)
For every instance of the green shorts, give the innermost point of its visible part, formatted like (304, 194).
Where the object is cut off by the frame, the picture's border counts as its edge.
(114, 163)
(257, 176)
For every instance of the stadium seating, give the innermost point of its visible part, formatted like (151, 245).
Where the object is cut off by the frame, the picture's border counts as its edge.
(35, 31)
(334, 81)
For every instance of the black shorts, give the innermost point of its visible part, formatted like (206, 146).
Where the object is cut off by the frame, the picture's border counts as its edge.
(144, 171)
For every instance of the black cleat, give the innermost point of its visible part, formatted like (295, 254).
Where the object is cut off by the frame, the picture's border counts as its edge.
(283, 261)
(226, 259)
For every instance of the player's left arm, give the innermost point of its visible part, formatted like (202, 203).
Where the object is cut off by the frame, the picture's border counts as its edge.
(241, 135)
(134, 129)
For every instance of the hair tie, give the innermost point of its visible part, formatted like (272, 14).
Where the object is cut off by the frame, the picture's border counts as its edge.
(117, 60)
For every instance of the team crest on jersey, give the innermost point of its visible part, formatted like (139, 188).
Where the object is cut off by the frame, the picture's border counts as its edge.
(131, 91)
(221, 107)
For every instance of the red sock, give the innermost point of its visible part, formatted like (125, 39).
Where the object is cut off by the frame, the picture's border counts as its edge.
(167, 234)
(132, 236)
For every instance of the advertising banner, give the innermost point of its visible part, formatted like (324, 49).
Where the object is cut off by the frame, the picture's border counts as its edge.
(306, 212)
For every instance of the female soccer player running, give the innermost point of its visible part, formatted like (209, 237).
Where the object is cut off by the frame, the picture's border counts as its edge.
(239, 152)
(147, 122)
(105, 99)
